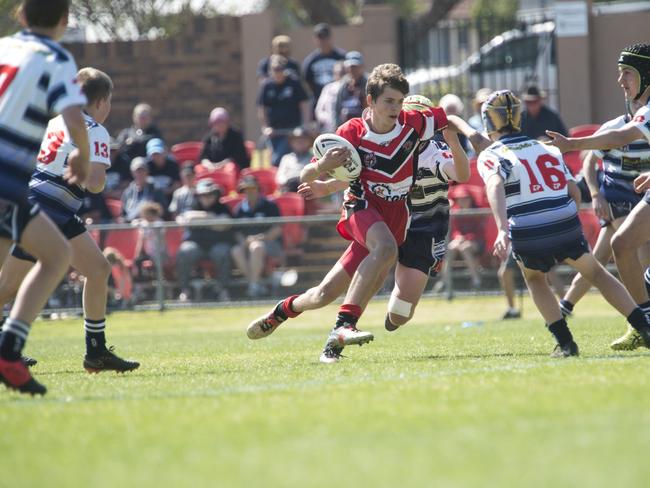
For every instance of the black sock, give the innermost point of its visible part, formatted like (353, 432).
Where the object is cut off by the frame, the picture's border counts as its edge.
(638, 319)
(566, 306)
(344, 318)
(645, 307)
(95, 337)
(13, 339)
(646, 277)
(561, 332)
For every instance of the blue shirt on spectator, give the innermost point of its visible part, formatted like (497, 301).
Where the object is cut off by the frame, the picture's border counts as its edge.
(281, 102)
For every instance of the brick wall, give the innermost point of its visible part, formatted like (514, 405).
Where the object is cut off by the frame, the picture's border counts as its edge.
(183, 78)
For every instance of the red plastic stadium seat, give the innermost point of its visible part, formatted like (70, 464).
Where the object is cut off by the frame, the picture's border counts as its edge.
(187, 151)
(291, 204)
(232, 201)
(583, 130)
(173, 238)
(573, 162)
(476, 191)
(265, 178)
(124, 241)
(225, 180)
(250, 148)
(114, 207)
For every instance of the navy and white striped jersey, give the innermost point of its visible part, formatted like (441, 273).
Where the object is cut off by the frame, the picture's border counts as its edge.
(428, 198)
(37, 81)
(622, 165)
(641, 120)
(541, 214)
(47, 187)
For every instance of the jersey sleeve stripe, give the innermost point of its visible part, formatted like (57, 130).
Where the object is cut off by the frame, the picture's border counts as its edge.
(55, 94)
(34, 115)
(12, 137)
(44, 81)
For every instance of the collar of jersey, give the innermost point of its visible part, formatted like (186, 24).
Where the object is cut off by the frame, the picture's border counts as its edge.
(381, 138)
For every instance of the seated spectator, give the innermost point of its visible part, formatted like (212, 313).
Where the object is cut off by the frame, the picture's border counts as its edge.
(351, 97)
(325, 106)
(281, 102)
(466, 237)
(120, 282)
(183, 197)
(537, 118)
(150, 248)
(132, 141)
(279, 45)
(288, 174)
(213, 242)
(163, 168)
(256, 242)
(140, 190)
(223, 143)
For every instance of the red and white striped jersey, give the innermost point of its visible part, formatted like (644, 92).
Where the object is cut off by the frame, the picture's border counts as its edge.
(390, 160)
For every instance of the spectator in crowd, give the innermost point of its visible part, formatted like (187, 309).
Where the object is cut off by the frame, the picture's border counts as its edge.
(281, 103)
(476, 121)
(537, 118)
(256, 242)
(120, 282)
(150, 246)
(132, 141)
(279, 45)
(223, 143)
(325, 107)
(183, 197)
(140, 190)
(318, 66)
(351, 97)
(288, 174)
(199, 243)
(163, 168)
(466, 237)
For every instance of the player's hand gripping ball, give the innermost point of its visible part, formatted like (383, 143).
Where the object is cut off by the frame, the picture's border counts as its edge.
(348, 171)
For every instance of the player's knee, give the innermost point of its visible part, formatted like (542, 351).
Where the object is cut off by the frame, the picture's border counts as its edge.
(102, 268)
(386, 252)
(399, 311)
(620, 243)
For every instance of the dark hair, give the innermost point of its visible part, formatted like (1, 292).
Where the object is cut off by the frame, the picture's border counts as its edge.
(44, 13)
(386, 75)
(95, 84)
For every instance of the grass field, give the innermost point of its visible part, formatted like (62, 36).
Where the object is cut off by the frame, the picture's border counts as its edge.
(434, 404)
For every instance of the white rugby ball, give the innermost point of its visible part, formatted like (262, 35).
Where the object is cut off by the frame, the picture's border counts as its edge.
(351, 169)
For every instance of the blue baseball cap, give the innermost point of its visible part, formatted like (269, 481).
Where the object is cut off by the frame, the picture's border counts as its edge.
(155, 146)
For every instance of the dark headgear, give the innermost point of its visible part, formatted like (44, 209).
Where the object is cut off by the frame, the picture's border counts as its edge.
(637, 57)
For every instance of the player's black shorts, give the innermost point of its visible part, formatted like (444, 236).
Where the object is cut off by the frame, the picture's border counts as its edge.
(618, 210)
(511, 262)
(71, 229)
(544, 261)
(424, 251)
(16, 211)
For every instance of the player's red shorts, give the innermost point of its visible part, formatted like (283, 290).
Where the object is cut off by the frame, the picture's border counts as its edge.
(359, 215)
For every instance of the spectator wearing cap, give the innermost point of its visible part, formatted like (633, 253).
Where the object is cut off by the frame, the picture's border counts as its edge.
(288, 174)
(132, 141)
(183, 198)
(281, 103)
(279, 45)
(318, 66)
(256, 242)
(199, 243)
(325, 107)
(351, 97)
(139, 190)
(223, 143)
(537, 118)
(163, 168)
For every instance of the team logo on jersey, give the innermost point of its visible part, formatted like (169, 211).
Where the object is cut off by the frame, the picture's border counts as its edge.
(369, 160)
(639, 118)
(380, 190)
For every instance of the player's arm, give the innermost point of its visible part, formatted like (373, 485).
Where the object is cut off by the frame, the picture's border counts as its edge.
(96, 178)
(478, 140)
(78, 160)
(461, 162)
(574, 191)
(321, 188)
(590, 171)
(333, 158)
(496, 194)
(607, 139)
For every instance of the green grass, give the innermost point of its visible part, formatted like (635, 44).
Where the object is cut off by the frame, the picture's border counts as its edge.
(433, 404)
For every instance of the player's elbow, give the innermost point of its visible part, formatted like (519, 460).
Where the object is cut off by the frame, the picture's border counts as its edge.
(462, 176)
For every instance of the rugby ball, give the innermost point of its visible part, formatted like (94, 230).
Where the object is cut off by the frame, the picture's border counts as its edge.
(351, 169)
